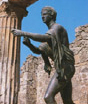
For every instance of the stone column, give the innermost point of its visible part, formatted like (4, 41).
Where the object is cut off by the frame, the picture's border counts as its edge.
(10, 17)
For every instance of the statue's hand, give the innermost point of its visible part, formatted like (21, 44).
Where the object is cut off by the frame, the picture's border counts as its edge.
(26, 41)
(16, 32)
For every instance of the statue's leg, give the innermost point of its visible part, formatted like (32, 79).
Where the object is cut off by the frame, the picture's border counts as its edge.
(66, 93)
(53, 88)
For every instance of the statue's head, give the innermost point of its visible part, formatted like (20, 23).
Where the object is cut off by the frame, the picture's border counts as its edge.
(50, 12)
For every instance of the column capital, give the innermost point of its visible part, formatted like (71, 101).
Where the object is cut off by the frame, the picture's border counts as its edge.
(12, 9)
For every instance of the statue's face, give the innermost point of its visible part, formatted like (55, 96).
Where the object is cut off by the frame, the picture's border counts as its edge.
(46, 17)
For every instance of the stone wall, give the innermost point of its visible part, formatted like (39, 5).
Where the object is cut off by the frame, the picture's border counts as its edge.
(34, 80)
(80, 80)
(28, 82)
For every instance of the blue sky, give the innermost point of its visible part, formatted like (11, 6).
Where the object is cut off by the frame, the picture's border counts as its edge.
(70, 14)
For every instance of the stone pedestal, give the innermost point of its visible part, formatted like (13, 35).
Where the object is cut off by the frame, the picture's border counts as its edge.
(10, 17)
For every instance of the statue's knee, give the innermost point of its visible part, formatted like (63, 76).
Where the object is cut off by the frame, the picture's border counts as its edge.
(47, 98)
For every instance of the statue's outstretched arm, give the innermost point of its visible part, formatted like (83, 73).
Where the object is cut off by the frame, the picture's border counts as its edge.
(33, 36)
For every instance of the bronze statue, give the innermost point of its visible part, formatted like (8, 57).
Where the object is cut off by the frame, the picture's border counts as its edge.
(55, 45)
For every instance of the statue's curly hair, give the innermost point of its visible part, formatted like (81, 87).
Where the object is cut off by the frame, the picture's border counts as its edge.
(51, 11)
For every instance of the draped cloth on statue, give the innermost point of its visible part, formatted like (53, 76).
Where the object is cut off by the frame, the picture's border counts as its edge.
(63, 56)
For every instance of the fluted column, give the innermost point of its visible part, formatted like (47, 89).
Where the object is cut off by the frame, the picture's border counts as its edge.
(10, 17)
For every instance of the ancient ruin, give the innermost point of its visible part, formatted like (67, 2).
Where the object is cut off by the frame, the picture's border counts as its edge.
(33, 76)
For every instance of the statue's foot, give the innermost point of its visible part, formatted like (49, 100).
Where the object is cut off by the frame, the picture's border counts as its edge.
(26, 41)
